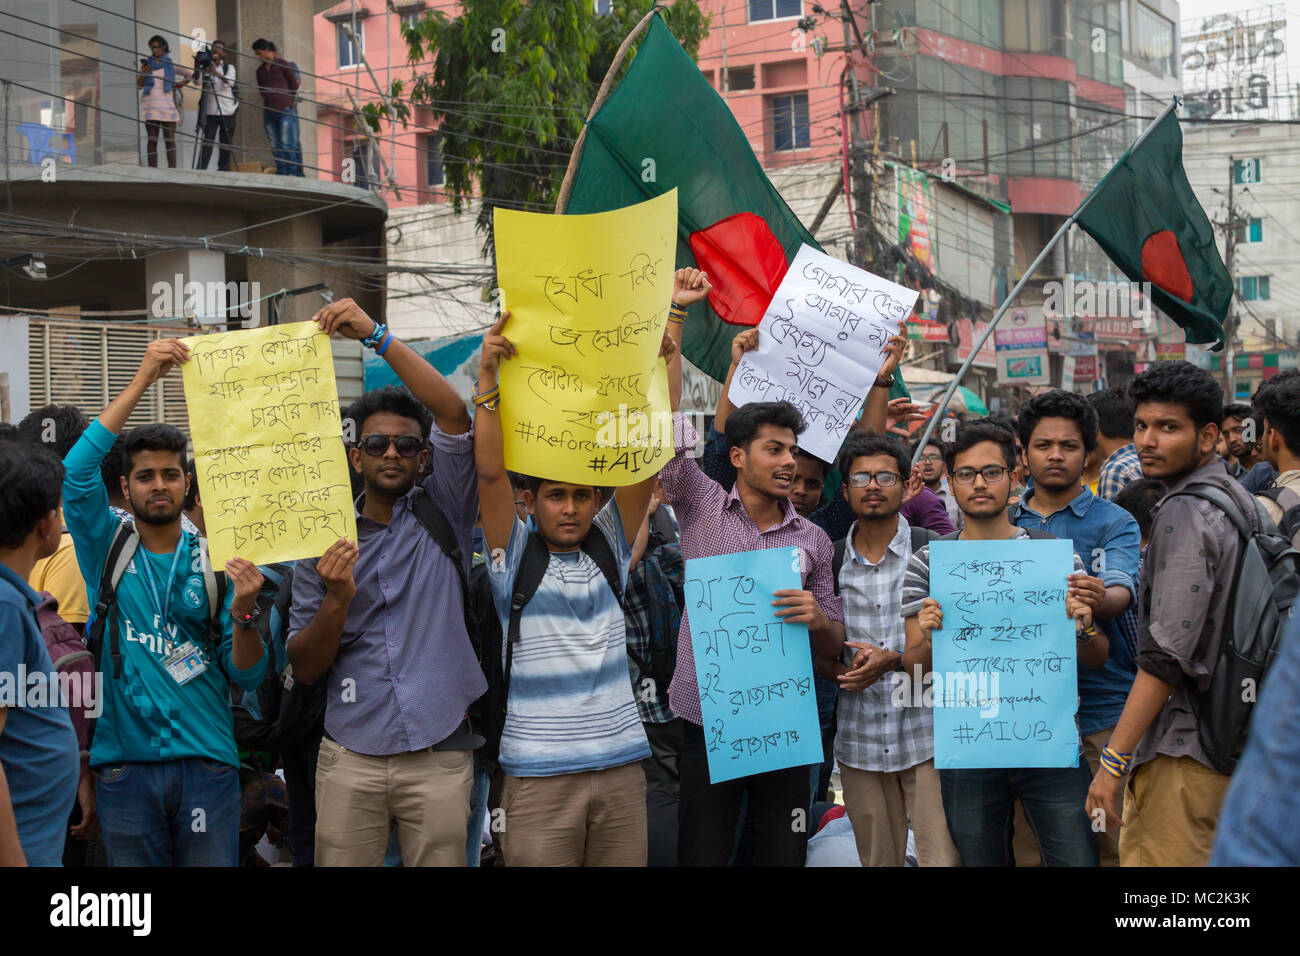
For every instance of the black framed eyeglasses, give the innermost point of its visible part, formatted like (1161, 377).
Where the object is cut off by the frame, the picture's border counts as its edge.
(992, 474)
(376, 446)
(930, 458)
(885, 479)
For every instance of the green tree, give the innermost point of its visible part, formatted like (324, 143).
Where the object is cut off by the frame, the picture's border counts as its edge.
(511, 84)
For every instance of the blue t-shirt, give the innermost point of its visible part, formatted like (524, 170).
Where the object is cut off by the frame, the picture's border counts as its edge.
(1107, 540)
(570, 707)
(148, 716)
(38, 747)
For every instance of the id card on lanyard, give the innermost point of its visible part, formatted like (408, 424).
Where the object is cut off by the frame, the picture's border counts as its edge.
(162, 596)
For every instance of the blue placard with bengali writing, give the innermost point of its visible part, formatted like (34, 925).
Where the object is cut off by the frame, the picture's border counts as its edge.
(754, 670)
(1005, 683)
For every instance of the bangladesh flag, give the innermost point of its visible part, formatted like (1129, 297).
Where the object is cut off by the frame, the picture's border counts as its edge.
(1145, 216)
(665, 127)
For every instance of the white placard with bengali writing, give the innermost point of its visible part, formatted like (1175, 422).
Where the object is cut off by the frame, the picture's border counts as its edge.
(819, 345)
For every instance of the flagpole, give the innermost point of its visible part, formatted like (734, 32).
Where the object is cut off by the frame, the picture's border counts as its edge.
(1024, 278)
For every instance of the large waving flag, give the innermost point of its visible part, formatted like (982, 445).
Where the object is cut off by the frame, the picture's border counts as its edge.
(665, 127)
(1146, 218)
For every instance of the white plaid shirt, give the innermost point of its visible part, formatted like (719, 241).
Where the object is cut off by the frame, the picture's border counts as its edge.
(874, 734)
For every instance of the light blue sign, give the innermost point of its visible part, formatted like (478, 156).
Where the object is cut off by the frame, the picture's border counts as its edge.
(754, 670)
(1005, 678)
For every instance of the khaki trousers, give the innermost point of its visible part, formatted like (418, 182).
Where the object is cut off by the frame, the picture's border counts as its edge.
(358, 796)
(1025, 844)
(593, 818)
(879, 804)
(1171, 812)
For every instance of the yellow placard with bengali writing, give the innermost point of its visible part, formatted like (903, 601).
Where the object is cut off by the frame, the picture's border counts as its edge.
(586, 399)
(268, 449)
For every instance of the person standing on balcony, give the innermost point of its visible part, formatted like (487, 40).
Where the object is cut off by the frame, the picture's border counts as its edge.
(278, 83)
(158, 80)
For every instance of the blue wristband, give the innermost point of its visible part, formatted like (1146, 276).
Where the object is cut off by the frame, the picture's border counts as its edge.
(388, 338)
(376, 336)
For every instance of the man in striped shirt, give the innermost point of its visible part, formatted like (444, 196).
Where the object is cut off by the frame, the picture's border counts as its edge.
(572, 745)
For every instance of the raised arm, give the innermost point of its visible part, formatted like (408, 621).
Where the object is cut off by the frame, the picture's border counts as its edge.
(160, 357)
(876, 408)
(425, 382)
(743, 342)
(632, 500)
(495, 496)
(689, 287)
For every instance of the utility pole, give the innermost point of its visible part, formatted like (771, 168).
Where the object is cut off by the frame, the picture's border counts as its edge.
(1230, 329)
(862, 251)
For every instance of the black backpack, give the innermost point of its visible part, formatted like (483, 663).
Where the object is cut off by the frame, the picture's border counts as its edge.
(920, 538)
(1289, 502)
(282, 711)
(1263, 596)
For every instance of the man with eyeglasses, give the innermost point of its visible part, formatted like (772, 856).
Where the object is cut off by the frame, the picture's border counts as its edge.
(979, 803)
(382, 621)
(935, 477)
(884, 743)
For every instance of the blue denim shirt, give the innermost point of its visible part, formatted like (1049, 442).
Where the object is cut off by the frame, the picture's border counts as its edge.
(1107, 540)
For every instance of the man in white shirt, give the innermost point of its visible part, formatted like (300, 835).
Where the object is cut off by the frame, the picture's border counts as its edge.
(219, 105)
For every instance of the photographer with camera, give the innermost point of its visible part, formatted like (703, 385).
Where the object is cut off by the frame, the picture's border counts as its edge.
(217, 105)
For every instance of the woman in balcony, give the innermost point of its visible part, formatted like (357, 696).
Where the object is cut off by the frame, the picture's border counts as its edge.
(159, 78)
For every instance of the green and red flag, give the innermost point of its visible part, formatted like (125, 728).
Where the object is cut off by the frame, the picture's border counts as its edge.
(1146, 218)
(664, 126)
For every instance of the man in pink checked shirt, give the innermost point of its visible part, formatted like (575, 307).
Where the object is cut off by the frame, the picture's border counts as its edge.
(762, 439)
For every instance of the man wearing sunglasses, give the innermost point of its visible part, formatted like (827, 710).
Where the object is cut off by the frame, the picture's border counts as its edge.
(979, 803)
(382, 621)
(884, 742)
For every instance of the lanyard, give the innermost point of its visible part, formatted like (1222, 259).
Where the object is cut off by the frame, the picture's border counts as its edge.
(162, 602)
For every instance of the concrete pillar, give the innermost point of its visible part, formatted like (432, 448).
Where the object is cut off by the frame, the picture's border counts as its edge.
(189, 281)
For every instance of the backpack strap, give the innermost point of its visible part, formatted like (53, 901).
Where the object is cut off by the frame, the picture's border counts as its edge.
(120, 553)
(1208, 491)
(214, 583)
(597, 547)
(921, 537)
(532, 568)
(428, 513)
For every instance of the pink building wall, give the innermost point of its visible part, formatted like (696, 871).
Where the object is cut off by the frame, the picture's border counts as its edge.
(780, 58)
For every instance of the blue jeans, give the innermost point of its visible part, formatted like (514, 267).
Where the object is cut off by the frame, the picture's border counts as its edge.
(173, 813)
(980, 806)
(282, 130)
(297, 144)
(478, 798)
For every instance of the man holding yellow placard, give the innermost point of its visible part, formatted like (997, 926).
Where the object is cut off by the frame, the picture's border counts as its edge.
(572, 745)
(382, 622)
(166, 642)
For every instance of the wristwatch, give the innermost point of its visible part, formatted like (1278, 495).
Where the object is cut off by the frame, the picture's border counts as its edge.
(885, 382)
(247, 621)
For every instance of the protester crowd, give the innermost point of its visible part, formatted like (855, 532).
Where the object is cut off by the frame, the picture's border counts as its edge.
(500, 666)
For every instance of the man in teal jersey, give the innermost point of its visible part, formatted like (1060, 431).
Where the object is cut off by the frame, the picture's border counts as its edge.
(164, 751)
